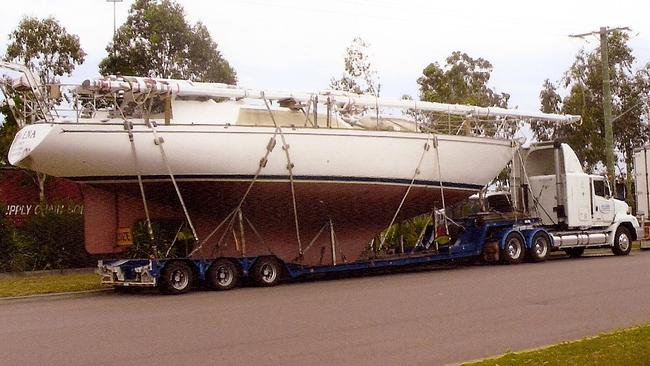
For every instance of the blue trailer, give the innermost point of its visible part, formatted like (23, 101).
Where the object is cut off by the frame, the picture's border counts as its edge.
(491, 239)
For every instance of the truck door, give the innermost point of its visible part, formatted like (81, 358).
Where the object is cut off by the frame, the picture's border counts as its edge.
(602, 207)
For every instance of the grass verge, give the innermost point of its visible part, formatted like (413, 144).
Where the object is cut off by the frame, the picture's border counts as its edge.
(627, 347)
(24, 286)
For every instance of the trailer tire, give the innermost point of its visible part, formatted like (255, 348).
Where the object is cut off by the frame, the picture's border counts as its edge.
(540, 248)
(513, 252)
(266, 272)
(223, 275)
(622, 241)
(176, 278)
(575, 252)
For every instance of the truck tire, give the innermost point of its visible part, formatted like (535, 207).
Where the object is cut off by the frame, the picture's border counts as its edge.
(513, 252)
(575, 252)
(223, 275)
(540, 248)
(266, 272)
(176, 278)
(622, 241)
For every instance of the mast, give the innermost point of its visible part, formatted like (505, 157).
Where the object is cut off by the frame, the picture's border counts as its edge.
(183, 88)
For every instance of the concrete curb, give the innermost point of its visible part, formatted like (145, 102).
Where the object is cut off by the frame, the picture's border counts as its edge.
(55, 296)
(52, 272)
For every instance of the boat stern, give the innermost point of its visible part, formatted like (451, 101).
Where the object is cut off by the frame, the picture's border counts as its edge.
(25, 143)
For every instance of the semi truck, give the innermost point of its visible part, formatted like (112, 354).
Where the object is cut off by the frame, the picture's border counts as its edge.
(555, 206)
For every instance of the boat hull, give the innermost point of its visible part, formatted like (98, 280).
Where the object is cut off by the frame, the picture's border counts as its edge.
(356, 179)
(358, 212)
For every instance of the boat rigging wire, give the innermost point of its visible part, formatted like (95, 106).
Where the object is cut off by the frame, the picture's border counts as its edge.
(129, 127)
(426, 148)
(442, 190)
(158, 140)
(262, 163)
(174, 240)
(290, 166)
(223, 235)
(313, 240)
(257, 233)
(212, 232)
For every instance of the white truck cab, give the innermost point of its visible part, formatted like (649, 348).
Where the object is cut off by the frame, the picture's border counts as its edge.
(577, 208)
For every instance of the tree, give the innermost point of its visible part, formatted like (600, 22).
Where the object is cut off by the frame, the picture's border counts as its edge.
(45, 47)
(583, 81)
(359, 76)
(6, 242)
(51, 240)
(8, 130)
(462, 80)
(157, 41)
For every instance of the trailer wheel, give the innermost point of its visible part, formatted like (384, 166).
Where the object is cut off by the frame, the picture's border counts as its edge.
(267, 272)
(223, 275)
(176, 278)
(540, 248)
(575, 252)
(513, 252)
(622, 241)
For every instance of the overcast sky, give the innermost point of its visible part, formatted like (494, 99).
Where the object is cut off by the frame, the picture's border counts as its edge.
(299, 45)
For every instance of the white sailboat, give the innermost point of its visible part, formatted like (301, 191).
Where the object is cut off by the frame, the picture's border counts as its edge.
(285, 163)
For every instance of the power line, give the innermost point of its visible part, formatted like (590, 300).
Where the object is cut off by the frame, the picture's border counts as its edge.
(603, 30)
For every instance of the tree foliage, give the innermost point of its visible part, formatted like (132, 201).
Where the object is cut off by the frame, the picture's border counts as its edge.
(359, 75)
(157, 41)
(50, 240)
(45, 47)
(6, 241)
(462, 80)
(169, 240)
(584, 83)
(8, 130)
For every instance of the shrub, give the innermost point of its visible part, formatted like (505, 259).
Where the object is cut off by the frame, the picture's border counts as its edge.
(51, 240)
(170, 240)
(7, 248)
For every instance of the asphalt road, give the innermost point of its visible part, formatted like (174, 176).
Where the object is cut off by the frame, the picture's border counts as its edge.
(418, 318)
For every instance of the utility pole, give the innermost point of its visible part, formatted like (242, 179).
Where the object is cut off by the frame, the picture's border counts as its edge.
(607, 98)
(114, 24)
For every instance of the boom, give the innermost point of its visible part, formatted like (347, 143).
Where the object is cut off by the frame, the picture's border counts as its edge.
(184, 88)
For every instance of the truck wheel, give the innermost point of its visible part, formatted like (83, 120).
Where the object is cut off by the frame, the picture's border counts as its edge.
(513, 252)
(540, 248)
(575, 252)
(622, 241)
(223, 275)
(266, 272)
(176, 278)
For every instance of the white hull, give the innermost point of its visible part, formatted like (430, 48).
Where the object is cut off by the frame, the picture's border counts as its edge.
(354, 178)
(102, 152)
